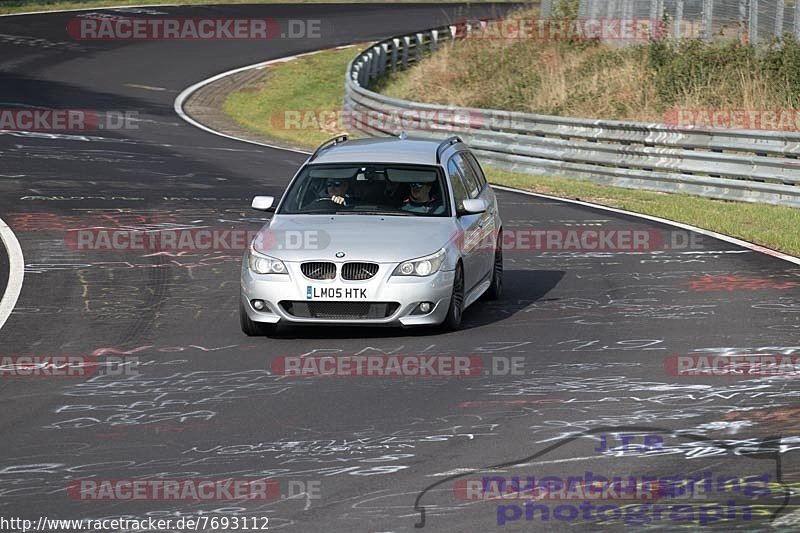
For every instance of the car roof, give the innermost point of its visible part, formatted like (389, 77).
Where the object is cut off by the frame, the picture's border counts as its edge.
(414, 151)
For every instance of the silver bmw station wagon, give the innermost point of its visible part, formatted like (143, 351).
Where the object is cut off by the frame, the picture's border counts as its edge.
(390, 231)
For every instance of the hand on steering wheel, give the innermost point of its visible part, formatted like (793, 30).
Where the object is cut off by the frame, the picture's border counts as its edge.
(335, 199)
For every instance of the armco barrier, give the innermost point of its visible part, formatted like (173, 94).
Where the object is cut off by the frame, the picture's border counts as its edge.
(745, 165)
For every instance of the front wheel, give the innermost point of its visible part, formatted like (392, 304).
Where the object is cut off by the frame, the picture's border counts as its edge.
(252, 328)
(453, 319)
(495, 290)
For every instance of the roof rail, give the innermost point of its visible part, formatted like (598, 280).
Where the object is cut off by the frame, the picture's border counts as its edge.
(339, 139)
(444, 145)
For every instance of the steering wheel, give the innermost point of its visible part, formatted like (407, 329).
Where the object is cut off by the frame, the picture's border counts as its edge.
(328, 200)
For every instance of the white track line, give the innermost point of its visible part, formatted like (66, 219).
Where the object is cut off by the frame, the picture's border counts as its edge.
(708, 233)
(16, 272)
(180, 100)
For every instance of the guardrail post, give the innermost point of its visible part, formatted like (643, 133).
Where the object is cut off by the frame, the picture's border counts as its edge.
(376, 61)
(383, 55)
(434, 40)
(753, 27)
(546, 9)
(451, 33)
(708, 20)
(656, 16)
(611, 9)
(779, 12)
(627, 11)
(743, 31)
(590, 9)
(418, 48)
(362, 74)
(678, 22)
(797, 19)
(395, 45)
(367, 69)
(406, 46)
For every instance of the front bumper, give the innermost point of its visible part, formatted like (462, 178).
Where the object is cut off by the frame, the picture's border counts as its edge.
(286, 294)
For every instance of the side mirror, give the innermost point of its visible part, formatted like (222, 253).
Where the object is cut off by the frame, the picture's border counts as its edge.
(475, 206)
(263, 203)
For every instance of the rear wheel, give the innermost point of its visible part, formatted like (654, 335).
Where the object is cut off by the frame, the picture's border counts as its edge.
(453, 319)
(495, 290)
(252, 328)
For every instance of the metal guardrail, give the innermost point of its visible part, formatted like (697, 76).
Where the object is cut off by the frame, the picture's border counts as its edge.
(745, 165)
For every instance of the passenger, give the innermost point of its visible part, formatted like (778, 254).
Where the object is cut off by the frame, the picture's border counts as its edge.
(420, 200)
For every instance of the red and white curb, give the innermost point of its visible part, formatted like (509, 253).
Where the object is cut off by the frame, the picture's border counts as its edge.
(180, 101)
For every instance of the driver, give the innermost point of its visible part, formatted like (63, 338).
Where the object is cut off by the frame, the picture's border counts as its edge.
(420, 200)
(337, 191)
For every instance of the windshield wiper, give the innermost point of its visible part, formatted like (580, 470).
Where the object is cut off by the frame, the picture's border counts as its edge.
(388, 213)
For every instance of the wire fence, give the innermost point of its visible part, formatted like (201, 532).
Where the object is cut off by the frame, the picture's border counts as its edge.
(751, 21)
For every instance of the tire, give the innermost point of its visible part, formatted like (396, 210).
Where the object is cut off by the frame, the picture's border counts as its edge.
(452, 321)
(251, 328)
(495, 290)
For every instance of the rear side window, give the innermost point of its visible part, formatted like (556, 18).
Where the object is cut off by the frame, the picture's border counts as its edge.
(469, 176)
(477, 168)
(459, 191)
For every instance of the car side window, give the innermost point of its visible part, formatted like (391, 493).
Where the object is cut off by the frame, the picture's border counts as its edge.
(459, 191)
(477, 168)
(470, 179)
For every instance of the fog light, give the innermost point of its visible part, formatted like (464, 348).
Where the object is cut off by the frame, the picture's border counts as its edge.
(425, 307)
(259, 305)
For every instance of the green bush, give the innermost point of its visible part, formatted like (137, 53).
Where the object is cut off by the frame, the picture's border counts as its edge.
(566, 9)
(693, 66)
(588, 78)
(781, 63)
(701, 68)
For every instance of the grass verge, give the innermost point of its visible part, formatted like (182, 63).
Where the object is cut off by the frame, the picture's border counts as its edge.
(772, 226)
(322, 88)
(8, 7)
(292, 102)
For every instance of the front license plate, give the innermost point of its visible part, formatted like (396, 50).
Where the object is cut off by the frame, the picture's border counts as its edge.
(335, 293)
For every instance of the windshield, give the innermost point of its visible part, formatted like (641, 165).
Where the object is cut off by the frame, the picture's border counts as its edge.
(397, 190)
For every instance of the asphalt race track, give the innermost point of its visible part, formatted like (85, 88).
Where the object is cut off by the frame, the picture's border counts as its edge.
(193, 398)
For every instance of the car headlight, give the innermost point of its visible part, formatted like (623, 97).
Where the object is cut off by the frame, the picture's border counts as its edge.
(262, 264)
(424, 266)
